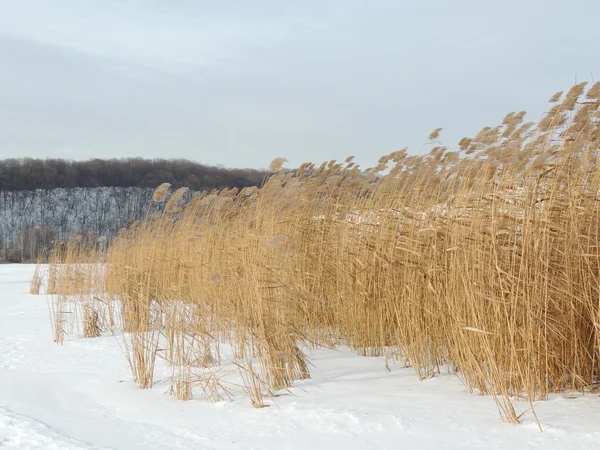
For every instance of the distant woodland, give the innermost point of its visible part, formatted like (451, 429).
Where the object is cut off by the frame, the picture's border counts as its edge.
(43, 201)
(30, 174)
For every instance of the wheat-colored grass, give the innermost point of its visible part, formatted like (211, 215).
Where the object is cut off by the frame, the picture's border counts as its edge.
(484, 259)
(37, 280)
(75, 288)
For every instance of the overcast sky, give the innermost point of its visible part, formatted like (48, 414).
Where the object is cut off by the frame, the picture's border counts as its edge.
(240, 83)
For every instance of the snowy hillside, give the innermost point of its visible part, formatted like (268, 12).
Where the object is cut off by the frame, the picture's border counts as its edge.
(81, 396)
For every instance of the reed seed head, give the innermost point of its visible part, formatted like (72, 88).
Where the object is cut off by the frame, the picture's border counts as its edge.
(174, 203)
(161, 193)
(435, 134)
(277, 164)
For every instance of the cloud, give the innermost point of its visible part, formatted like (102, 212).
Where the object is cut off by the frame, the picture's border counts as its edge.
(165, 35)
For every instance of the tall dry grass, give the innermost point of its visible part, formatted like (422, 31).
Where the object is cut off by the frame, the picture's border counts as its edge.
(74, 282)
(484, 259)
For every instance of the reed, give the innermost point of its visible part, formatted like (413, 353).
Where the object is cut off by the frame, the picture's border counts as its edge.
(483, 259)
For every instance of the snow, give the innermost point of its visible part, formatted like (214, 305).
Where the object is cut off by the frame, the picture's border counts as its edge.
(81, 396)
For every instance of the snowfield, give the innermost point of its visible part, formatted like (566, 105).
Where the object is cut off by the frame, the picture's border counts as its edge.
(81, 396)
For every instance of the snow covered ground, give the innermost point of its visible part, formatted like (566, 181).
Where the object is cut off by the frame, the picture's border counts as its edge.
(81, 396)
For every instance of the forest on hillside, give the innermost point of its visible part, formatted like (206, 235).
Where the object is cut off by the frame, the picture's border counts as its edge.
(30, 174)
(43, 201)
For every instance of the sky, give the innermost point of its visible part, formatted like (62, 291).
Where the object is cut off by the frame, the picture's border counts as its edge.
(239, 83)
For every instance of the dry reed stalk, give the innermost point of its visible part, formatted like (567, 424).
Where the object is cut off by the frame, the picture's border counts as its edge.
(36, 281)
(141, 348)
(91, 323)
(75, 288)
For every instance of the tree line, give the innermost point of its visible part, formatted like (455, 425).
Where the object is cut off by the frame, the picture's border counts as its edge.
(30, 174)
